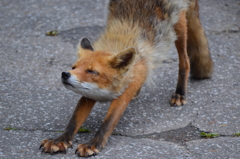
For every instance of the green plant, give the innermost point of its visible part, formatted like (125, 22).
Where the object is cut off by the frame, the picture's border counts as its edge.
(209, 135)
(10, 128)
(237, 134)
(84, 130)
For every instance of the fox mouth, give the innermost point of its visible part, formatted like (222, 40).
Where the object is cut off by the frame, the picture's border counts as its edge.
(67, 84)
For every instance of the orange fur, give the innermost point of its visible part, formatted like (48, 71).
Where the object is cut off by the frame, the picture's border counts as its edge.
(184, 67)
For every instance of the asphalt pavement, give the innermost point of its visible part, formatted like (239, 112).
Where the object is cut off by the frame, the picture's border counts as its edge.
(34, 105)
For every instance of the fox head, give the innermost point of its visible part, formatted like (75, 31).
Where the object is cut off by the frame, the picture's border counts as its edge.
(97, 74)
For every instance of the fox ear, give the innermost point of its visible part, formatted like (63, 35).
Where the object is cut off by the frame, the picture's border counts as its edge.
(85, 44)
(123, 60)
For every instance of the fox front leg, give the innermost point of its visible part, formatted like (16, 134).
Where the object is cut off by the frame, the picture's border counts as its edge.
(114, 113)
(63, 142)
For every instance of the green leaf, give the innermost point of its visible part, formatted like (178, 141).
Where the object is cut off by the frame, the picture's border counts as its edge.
(203, 134)
(10, 128)
(84, 130)
(52, 33)
(209, 135)
(214, 135)
(236, 134)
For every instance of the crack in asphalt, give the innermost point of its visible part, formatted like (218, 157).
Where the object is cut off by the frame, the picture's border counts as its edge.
(230, 31)
(178, 136)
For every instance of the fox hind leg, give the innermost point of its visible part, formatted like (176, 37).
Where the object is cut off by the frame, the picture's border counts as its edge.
(197, 45)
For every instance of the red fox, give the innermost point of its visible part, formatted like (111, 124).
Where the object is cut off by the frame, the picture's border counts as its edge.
(138, 35)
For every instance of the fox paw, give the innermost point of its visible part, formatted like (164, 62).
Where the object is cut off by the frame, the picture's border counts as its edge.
(51, 146)
(177, 100)
(86, 150)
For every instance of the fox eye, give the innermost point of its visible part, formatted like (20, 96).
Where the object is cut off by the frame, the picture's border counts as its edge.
(73, 67)
(92, 72)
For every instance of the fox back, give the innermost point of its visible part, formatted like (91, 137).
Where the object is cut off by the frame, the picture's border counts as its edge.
(148, 26)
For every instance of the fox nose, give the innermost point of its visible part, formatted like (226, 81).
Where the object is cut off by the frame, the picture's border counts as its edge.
(66, 75)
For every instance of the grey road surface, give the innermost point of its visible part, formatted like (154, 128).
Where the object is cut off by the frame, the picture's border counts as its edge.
(34, 105)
